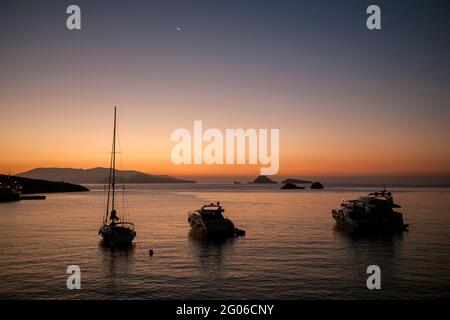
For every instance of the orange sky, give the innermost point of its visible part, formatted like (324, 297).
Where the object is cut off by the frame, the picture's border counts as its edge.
(81, 139)
(317, 137)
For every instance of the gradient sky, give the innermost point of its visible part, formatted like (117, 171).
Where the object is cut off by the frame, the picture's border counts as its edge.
(347, 101)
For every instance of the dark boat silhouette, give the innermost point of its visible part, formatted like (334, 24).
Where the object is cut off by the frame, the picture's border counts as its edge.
(373, 212)
(115, 231)
(209, 222)
(10, 191)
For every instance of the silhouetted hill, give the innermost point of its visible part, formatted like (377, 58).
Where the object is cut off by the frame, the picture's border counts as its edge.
(42, 186)
(97, 175)
(263, 179)
(294, 181)
(148, 178)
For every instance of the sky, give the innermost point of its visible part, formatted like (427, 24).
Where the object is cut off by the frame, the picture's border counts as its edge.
(347, 101)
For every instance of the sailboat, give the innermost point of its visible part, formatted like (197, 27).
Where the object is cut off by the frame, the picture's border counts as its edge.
(114, 230)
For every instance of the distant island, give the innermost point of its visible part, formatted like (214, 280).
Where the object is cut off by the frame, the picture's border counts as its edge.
(263, 179)
(291, 186)
(316, 185)
(296, 181)
(41, 186)
(97, 175)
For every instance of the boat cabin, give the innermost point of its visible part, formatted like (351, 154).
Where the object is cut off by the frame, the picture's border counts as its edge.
(211, 211)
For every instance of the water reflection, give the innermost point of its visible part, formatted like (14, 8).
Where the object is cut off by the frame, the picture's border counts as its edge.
(211, 253)
(386, 239)
(362, 250)
(293, 255)
(117, 263)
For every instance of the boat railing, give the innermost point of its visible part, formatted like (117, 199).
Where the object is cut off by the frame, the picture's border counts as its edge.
(123, 223)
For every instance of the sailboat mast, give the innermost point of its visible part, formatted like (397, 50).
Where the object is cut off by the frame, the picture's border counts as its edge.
(111, 171)
(114, 160)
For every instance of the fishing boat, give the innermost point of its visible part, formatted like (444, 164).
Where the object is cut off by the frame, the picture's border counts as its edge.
(115, 230)
(208, 221)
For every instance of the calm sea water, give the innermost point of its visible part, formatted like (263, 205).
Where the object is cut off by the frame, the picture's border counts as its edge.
(291, 249)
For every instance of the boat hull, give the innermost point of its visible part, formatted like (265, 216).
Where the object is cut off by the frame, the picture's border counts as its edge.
(371, 222)
(117, 235)
(9, 196)
(211, 229)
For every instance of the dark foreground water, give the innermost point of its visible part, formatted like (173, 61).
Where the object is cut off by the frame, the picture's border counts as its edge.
(291, 249)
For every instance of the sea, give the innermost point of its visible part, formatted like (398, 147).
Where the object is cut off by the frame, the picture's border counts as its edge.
(291, 250)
